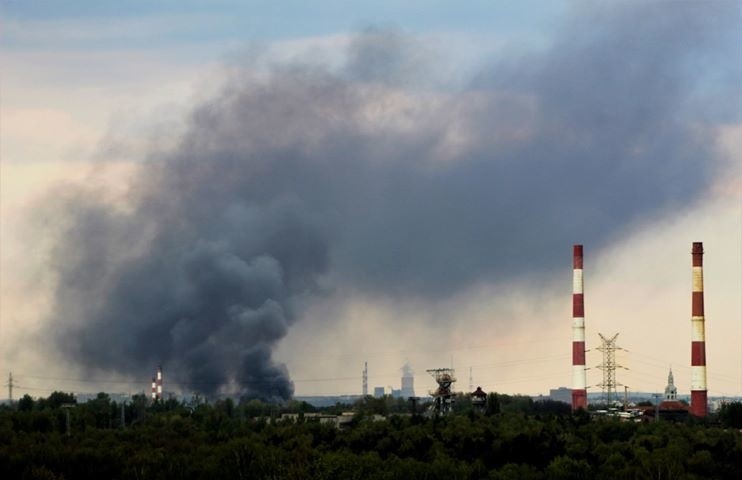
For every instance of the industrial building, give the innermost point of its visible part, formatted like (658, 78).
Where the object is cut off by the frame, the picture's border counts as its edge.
(561, 394)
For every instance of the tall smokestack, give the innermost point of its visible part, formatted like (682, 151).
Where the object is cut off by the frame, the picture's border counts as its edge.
(154, 388)
(579, 384)
(698, 390)
(159, 381)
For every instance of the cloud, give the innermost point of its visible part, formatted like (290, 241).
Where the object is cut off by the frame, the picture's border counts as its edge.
(288, 185)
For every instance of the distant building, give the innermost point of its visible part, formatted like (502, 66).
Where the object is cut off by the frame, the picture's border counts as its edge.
(561, 394)
(408, 381)
(378, 392)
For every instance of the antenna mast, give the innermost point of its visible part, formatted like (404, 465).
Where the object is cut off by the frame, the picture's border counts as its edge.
(365, 379)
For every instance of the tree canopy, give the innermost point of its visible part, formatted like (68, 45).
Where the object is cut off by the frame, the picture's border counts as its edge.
(512, 438)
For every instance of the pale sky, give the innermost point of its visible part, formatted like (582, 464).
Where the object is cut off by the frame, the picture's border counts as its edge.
(91, 93)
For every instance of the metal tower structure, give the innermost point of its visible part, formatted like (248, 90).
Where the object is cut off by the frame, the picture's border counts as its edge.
(471, 380)
(10, 387)
(608, 347)
(443, 395)
(365, 379)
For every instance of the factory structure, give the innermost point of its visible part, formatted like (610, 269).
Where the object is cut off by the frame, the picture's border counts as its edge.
(698, 387)
(407, 384)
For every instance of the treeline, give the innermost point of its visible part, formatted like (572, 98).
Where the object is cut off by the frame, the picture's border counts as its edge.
(513, 438)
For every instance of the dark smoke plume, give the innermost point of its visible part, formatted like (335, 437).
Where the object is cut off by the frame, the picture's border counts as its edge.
(310, 179)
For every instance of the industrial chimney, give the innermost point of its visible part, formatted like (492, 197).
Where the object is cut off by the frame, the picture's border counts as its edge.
(159, 382)
(579, 383)
(157, 385)
(698, 389)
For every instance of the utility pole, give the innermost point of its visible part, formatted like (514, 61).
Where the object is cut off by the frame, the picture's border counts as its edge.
(10, 387)
(625, 397)
(67, 407)
(471, 380)
(365, 379)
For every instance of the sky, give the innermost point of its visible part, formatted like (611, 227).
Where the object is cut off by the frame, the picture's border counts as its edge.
(262, 196)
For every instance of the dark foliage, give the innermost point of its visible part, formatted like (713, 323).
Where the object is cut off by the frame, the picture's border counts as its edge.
(513, 438)
(731, 414)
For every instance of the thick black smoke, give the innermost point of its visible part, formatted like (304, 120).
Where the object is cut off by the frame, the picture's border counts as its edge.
(310, 178)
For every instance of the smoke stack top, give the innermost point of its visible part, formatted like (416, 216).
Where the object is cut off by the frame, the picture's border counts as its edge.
(577, 256)
(697, 253)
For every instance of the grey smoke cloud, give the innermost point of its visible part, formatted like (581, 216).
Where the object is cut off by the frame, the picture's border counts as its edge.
(312, 179)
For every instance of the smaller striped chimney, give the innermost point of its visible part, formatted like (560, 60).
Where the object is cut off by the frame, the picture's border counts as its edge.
(579, 381)
(159, 381)
(154, 388)
(698, 388)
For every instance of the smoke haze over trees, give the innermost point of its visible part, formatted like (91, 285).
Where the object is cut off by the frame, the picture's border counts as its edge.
(291, 182)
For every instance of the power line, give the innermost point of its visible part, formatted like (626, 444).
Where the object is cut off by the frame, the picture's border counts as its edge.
(373, 353)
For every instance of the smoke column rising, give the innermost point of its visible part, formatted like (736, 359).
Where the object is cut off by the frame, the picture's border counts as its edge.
(292, 183)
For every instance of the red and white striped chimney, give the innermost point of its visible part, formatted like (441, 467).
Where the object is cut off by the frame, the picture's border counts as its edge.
(159, 381)
(154, 388)
(698, 389)
(579, 383)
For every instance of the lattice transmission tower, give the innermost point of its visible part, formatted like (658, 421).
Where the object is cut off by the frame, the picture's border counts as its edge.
(609, 366)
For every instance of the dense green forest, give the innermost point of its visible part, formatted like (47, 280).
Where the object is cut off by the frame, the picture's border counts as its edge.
(514, 438)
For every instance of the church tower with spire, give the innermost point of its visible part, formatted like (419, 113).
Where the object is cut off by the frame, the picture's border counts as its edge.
(671, 392)
(671, 408)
